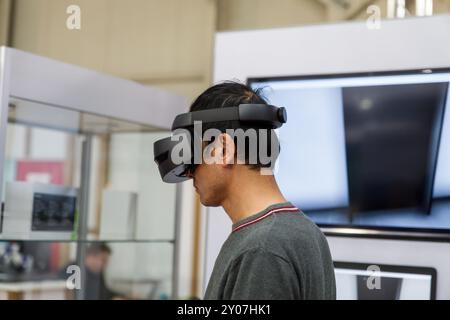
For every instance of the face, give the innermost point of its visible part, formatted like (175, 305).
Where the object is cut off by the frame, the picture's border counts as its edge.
(211, 181)
(97, 262)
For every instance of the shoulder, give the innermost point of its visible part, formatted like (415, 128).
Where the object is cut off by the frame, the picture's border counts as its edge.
(284, 232)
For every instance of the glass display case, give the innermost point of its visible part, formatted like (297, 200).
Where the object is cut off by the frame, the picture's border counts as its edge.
(84, 214)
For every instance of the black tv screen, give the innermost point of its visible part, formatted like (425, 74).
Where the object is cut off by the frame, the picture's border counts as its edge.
(364, 152)
(391, 135)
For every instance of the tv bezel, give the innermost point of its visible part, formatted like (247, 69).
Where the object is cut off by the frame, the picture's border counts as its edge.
(429, 271)
(378, 232)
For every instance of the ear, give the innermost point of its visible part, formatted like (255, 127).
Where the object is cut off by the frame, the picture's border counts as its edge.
(221, 151)
(228, 148)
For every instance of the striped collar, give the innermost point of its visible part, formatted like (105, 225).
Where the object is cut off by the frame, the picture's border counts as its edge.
(279, 207)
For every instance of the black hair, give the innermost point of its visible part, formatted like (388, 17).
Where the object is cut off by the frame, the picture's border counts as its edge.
(227, 94)
(97, 248)
(232, 94)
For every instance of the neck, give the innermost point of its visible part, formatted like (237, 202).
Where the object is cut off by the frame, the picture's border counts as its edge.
(249, 193)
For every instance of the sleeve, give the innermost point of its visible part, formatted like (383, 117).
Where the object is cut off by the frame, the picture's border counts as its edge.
(261, 275)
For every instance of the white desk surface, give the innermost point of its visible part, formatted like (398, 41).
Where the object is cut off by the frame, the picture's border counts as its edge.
(33, 285)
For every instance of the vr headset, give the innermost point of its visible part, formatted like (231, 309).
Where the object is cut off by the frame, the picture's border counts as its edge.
(255, 115)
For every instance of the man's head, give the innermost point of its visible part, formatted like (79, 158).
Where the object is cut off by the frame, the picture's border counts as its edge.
(97, 257)
(212, 181)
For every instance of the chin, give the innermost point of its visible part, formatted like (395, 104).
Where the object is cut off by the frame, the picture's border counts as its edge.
(209, 202)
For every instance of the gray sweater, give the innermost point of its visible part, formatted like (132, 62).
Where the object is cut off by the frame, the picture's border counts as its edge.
(278, 253)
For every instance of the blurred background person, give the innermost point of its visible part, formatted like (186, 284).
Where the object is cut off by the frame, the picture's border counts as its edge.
(95, 262)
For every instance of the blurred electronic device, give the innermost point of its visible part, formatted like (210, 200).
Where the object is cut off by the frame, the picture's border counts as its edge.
(118, 215)
(358, 281)
(371, 149)
(39, 211)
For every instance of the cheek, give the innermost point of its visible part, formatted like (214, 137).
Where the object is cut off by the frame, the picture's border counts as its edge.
(203, 172)
(206, 179)
(97, 265)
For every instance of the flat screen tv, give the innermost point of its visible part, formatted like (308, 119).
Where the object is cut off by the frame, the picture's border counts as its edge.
(367, 154)
(370, 281)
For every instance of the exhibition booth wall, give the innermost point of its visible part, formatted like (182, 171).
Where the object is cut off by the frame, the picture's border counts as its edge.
(340, 63)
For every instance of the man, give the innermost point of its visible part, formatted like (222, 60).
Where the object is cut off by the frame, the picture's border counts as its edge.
(274, 251)
(96, 261)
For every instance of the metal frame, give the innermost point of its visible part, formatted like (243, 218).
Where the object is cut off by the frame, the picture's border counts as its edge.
(34, 78)
(176, 243)
(4, 97)
(83, 212)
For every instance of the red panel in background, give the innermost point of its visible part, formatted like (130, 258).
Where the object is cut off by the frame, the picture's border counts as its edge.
(45, 172)
(55, 256)
(40, 171)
